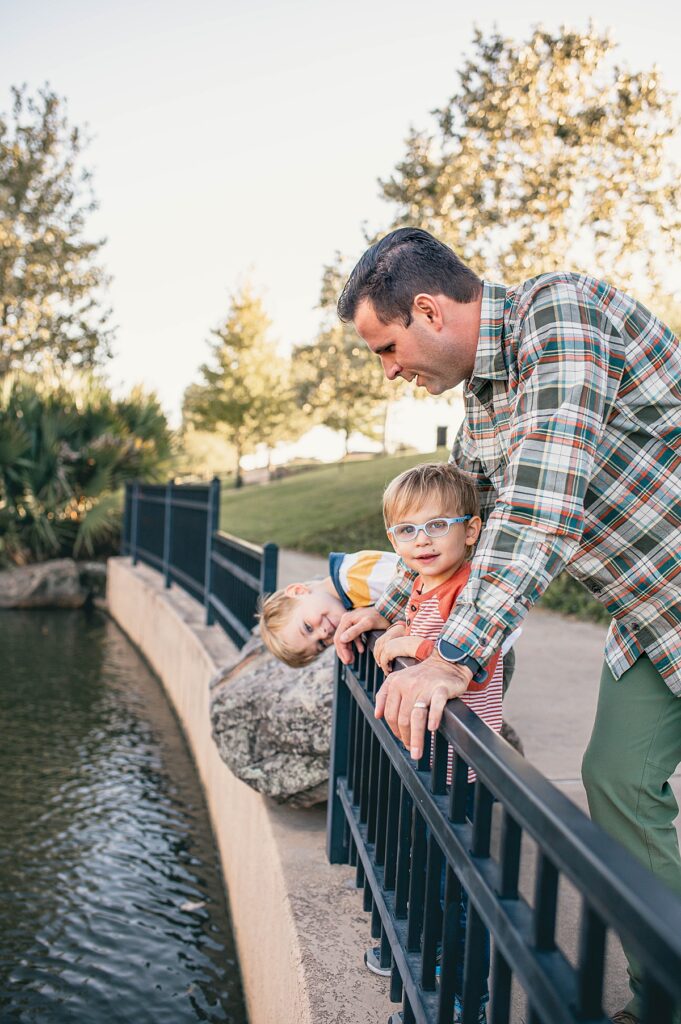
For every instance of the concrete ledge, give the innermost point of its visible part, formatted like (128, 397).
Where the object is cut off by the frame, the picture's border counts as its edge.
(298, 921)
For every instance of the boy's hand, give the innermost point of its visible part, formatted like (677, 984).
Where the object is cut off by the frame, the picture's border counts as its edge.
(396, 647)
(414, 698)
(351, 627)
(397, 629)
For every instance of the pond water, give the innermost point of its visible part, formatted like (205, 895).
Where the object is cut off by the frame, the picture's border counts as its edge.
(111, 899)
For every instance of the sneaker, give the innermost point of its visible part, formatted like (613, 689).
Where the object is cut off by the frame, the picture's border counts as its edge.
(624, 1017)
(372, 961)
(458, 1012)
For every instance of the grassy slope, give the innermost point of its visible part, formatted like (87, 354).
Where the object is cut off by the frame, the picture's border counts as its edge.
(338, 508)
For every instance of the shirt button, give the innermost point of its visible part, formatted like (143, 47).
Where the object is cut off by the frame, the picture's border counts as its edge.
(407, 622)
(412, 607)
(635, 626)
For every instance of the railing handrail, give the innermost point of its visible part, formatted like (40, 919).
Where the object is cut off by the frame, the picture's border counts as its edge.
(228, 590)
(617, 891)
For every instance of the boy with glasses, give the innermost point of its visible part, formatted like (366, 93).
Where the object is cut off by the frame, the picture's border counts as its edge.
(432, 520)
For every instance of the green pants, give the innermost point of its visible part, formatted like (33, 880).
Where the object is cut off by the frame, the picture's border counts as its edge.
(634, 748)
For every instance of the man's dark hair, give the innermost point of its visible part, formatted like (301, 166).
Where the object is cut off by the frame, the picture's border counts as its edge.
(393, 271)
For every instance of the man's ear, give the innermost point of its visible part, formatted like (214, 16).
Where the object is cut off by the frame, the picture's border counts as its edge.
(473, 528)
(296, 589)
(429, 308)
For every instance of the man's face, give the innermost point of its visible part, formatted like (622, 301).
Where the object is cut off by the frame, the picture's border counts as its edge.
(436, 350)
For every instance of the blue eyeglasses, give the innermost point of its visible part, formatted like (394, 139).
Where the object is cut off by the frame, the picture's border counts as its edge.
(433, 528)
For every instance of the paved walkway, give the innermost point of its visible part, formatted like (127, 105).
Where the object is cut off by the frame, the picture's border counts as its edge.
(551, 704)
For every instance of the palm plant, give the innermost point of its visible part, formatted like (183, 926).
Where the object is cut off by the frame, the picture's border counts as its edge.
(66, 449)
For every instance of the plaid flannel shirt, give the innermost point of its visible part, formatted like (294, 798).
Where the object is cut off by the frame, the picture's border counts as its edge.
(572, 433)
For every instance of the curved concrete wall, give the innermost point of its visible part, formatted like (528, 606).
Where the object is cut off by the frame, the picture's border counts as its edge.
(298, 921)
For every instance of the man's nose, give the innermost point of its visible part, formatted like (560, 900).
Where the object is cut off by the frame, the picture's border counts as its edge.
(422, 537)
(391, 368)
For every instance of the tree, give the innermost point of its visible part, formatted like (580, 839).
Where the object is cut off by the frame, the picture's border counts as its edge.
(245, 394)
(50, 280)
(339, 382)
(66, 448)
(549, 156)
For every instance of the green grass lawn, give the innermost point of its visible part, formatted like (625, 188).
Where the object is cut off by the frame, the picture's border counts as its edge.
(335, 508)
(338, 508)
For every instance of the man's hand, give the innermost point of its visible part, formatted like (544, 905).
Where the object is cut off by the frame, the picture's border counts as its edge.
(396, 647)
(350, 629)
(414, 698)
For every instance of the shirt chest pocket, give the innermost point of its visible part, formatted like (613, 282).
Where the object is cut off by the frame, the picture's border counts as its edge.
(492, 436)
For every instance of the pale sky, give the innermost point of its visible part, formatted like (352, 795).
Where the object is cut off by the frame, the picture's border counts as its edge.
(236, 140)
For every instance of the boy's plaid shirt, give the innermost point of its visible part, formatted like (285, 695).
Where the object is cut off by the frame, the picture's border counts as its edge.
(573, 435)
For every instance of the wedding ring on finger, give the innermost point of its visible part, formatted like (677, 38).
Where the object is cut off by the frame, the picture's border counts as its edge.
(420, 704)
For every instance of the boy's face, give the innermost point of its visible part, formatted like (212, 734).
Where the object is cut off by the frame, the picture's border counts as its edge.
(436, 558)
(313, 621)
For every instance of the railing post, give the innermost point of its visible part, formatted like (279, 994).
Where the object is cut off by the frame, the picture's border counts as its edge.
(134, 515)
(167, 527)
(212, 520)
(336, 841)
(268, 568)
(125, 525)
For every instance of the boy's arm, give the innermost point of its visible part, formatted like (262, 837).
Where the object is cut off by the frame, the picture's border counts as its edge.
(388, 609)
(393, 600)
(397, 646)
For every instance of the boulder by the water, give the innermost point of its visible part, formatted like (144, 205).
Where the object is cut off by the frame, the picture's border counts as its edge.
(59, 583)
(272, 724)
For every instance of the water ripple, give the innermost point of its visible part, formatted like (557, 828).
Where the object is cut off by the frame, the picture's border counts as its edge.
(111, 904)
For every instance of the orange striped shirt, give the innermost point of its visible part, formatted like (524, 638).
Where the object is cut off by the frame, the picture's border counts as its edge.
(426, 615)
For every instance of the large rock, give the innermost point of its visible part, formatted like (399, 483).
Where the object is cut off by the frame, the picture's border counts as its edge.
(272, 724)
(60, 583)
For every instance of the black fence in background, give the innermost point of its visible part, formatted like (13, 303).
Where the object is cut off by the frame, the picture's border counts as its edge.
(405, 828)
(174, 528)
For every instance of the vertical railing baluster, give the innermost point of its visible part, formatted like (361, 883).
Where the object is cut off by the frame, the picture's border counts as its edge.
(392, 827)
(511, 839)
(502, 981)
(417, 881)
(381, 805)
(591, 967)
(336, 844)
(403, 854)
(212, 520)
(268, 570)
(135, 521)
(432, 917)
(545, 903)
(167, 531)
(451, 946)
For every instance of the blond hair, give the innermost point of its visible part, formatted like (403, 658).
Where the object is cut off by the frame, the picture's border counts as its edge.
(432, 481)
(275, 611)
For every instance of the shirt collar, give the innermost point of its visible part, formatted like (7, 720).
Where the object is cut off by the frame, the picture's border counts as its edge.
(490, 363)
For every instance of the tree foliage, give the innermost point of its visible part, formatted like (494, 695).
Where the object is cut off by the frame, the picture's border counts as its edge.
(339, 382)
(66, 448)
(50, 278)
(245, 392)
(550, 155)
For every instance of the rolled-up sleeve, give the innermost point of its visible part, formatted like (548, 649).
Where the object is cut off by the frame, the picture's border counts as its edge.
(393, 601)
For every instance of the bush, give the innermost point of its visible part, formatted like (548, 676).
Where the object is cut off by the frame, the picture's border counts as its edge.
(66, 449)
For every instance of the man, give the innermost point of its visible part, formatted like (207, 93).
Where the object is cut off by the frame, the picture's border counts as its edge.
(572, 432)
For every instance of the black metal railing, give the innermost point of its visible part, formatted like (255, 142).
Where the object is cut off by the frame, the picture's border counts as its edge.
(174, 528)
(405, 828)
